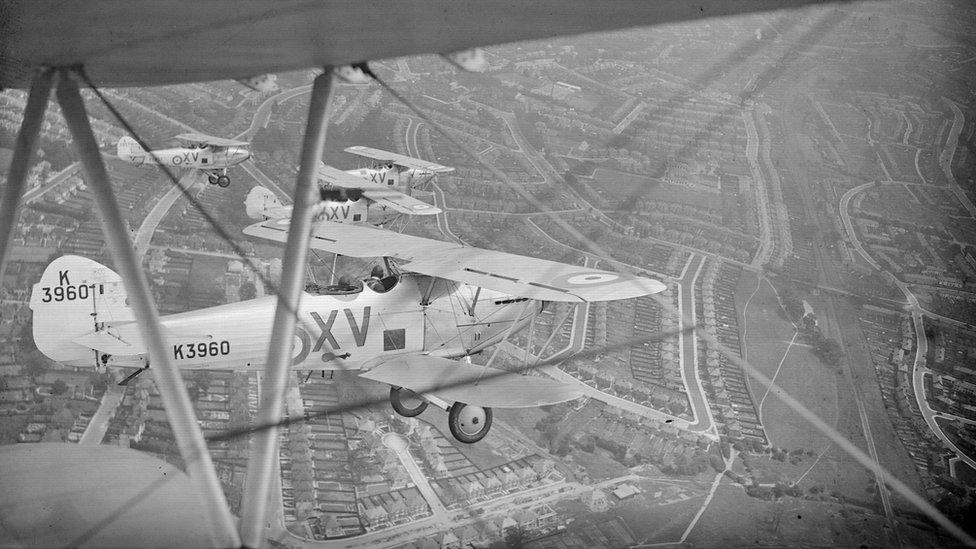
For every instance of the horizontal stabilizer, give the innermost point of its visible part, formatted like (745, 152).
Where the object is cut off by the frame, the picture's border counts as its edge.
(455, 381)
(112, 342)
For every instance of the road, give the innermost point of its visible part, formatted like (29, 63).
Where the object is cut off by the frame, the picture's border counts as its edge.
(263, 114)
(57, 179)
(945, 159)
(919, 368)
(688, 347)
(95, 431)
(148, 227)
(400, 445)
(765, 251)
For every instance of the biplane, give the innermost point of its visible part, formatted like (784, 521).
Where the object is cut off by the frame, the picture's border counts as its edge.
(407, 326)
(204, 153)
(366, 195)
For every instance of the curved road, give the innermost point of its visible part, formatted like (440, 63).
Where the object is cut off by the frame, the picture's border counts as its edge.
(919, 368)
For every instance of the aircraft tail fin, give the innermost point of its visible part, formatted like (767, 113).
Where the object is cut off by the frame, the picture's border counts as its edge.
(262, 204)
(75, 296)
(128, 147)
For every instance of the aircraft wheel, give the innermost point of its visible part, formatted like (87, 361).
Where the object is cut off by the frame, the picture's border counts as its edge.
(223, 181)
(406, 402)
(212, 179)
(469, 423)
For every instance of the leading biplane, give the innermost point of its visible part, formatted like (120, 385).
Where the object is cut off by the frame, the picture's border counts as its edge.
(204, 153)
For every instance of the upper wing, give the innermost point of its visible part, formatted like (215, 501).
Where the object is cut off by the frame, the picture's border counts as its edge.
(155, 42)
(504, 272)
(398, 159)
(345, 180)
(210, 140)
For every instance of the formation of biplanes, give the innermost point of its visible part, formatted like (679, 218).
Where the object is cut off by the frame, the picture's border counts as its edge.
(430, 305)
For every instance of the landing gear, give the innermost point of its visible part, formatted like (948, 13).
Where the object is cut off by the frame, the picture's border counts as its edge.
(221, 180)
(406, 402)
(469, 423)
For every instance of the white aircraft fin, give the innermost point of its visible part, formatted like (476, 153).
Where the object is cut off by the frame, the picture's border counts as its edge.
(74, 297)
(261, 203)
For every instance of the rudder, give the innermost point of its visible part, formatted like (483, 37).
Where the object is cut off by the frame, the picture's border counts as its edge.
(74, 294)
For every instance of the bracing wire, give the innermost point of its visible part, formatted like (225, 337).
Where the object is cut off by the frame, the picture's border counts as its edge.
(834, 435)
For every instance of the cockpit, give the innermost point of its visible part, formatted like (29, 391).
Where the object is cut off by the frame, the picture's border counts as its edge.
(378, 282)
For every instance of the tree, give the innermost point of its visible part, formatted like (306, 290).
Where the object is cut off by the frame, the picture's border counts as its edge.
(247, 291)
(59, 387)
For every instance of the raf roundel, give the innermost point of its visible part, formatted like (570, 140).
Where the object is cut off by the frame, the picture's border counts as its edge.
(591, 278)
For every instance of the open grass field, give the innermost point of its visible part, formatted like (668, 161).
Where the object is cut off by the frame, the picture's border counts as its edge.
(767, 337)
(734, 519)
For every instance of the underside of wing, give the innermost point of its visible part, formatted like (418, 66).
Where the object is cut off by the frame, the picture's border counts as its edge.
(398, 159)
(334, 177)
(455, 381)
(153, 42)
(504, 272)
(204, 139)
(400, 202)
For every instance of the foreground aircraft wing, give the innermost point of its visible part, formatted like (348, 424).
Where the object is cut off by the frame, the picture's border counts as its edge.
(210, 140)
(381, 194)
(517, 275)
(158, 42)
(455, 381)
(398, 159)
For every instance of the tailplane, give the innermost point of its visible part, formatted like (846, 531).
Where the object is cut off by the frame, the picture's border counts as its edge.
(76, 296)
(262, 204)
(129, 149)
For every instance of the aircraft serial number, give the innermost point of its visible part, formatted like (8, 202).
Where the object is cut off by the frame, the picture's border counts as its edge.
(200, 350)
(67, 293)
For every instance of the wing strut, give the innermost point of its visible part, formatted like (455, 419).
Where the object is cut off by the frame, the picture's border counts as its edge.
(24, 150)
(179, 410)
(264, 447)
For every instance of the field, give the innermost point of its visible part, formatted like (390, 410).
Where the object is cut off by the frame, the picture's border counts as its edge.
(624, 184)
(767, 336)
(734, 519)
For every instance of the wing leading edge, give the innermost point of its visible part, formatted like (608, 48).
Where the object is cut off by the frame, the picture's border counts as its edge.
(513, 274)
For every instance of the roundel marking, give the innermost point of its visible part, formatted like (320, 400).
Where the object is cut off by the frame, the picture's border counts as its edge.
(591, 278)
(284, 222)
(303, 343)
(421, 207)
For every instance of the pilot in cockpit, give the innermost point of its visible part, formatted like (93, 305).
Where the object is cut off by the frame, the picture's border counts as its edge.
(379, 282)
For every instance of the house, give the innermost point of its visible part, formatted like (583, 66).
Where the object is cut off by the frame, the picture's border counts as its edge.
(625, 491)
(596, 501)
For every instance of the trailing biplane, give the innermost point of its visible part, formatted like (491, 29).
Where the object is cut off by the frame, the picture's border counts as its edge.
(205, 153)
(374, 195)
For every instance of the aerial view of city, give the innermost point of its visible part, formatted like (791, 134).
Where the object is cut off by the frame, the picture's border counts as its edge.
(802, 183)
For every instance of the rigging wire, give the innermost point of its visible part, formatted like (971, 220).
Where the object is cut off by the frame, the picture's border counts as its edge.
(855, 452)
(191, 199)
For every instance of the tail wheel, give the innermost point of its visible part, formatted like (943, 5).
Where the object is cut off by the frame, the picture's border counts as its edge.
(469, 423)
(223, 181)
(406, 402)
